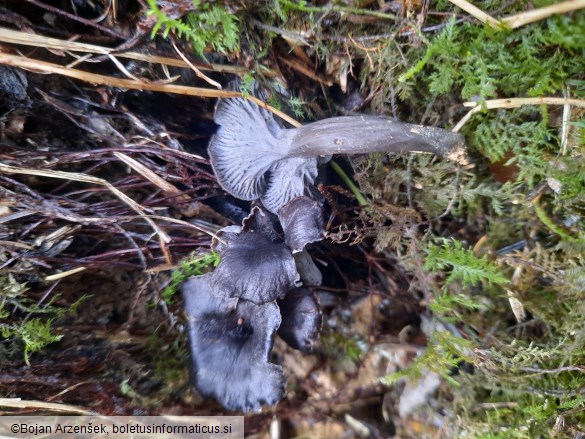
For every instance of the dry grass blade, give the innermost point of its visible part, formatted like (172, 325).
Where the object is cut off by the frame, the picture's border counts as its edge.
(123, 69)
(27, 39)
(519, 102)
(196, 70)
(74, 176)
(17, 403)
(476, 107)
(517, 20)
(58, 276)
(478, 13)
(38, 66)
(148, 174)
(166, 187)
(279, 113)
(466, 118)
(209, 231)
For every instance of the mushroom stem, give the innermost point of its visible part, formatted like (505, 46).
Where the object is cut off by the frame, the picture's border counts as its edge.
(364, 134)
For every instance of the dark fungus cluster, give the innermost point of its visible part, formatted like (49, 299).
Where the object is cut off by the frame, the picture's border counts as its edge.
(257, 291)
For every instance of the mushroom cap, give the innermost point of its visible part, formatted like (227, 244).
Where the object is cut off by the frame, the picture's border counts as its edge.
(230, 343)
(301, 319)
(260, 221)
(221, 239)
(302, 222)
(254, 268)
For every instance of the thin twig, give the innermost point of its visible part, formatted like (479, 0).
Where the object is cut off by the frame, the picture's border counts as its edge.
(465, 119)
(123, 69)
(67, 390)
(519, 102)
(28, 39)
(517, 20)
(196, 70)
(17, 403)
(455, 194)
(476, 107)
(64, 274)
(537, 370)
(409, 180)
(188, 224)
(566, 120)
(77, 18)
(148, 174)
(38, 66)
(89, 179)
(478, 13)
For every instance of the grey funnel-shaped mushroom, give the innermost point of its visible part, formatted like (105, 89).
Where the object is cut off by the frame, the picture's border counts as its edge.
(254, 158)
(255, 264)
(230, 347)
(254, 268)
(231, 312)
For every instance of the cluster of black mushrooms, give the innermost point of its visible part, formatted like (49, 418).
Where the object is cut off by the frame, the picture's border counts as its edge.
(259, 288)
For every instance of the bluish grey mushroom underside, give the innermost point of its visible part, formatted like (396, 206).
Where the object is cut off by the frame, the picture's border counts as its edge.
(254, 158)
(254, 268)
(230, 347)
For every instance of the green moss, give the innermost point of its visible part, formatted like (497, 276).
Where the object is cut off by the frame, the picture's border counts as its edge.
(206, 26)
(342, 349)
(193, 266)
(34, 334)
(28, 327)
(527, 380)
(464, 266)
(483, 62)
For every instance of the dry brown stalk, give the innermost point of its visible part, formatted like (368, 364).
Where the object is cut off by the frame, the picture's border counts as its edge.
(164, 185)
(74, 176)
(476, 107)
(34, 40)
(477, 13)
(517, 20)
(38, 66)
(196, 70)
(58, 276)
(519, 102)
(17, 403)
